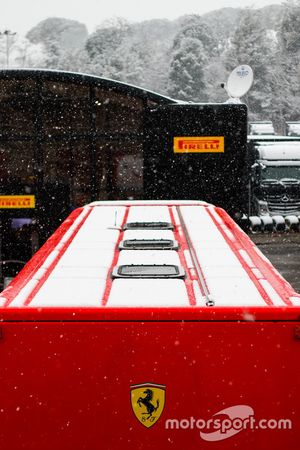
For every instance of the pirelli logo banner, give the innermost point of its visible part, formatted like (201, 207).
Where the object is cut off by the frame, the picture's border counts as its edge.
(201, 144)
(17, 201)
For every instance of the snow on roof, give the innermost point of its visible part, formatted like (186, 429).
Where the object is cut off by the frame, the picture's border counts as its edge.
(148, 203)
(279, 150)
(222, 266)
(265, 128)
(293, 128)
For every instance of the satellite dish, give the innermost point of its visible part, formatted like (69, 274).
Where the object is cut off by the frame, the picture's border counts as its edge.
(239, 81)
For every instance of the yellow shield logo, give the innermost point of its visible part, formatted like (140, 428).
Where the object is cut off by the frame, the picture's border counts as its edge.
(148, 402)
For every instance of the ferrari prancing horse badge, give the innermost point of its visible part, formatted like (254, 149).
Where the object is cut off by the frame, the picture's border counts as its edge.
(148, 401)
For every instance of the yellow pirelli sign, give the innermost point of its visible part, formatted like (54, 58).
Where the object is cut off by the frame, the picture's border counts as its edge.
(17, 201)
(199, 144)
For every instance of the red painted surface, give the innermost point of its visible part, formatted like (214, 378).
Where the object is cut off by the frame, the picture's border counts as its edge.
(207, 314)
(67, 385)
(65, 373)
(281, 286)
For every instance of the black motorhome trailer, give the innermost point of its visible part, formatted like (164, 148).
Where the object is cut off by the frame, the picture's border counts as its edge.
(67, 139)
(211, 164)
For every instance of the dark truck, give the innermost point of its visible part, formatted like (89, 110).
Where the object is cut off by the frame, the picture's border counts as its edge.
(275, 175)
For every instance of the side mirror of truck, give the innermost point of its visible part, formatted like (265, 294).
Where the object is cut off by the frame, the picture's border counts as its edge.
(255, 174)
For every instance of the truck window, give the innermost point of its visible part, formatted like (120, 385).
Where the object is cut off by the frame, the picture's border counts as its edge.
(282, 172)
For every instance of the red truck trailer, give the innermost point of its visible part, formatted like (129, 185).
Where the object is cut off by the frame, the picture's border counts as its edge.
(142, 325)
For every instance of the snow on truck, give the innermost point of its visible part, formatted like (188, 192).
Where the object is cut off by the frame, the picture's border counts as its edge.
(149, 324)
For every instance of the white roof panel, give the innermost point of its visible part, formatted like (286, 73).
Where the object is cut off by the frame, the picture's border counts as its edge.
(148, 293)
(235, 291)
(69, 292)
(149, 214)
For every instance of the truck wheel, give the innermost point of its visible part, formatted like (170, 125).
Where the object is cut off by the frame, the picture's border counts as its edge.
(267, 224)
(279, 224)
(292, 223)
(255, 224)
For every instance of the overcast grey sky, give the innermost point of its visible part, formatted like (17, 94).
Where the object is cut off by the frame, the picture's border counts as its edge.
(21, 15)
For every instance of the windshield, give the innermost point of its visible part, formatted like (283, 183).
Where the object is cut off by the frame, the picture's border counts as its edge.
(280, 172)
